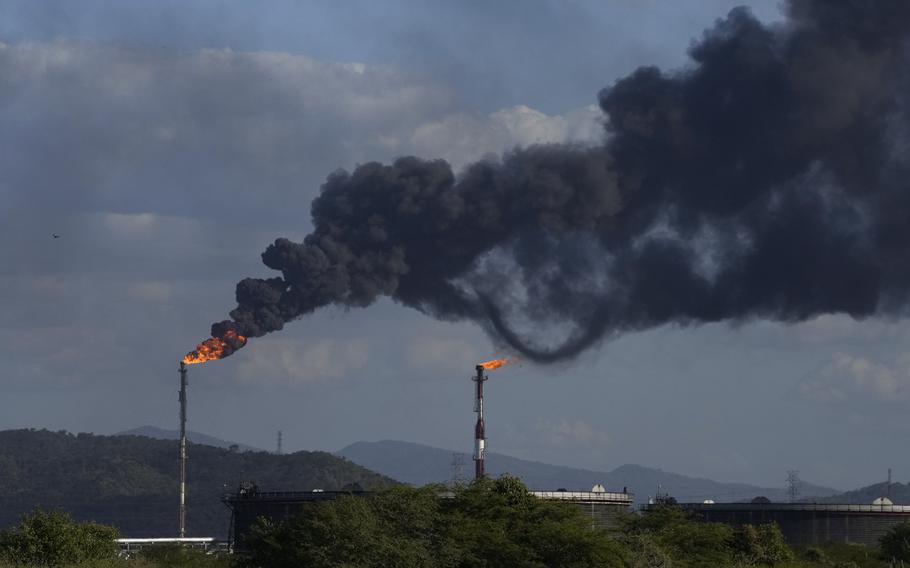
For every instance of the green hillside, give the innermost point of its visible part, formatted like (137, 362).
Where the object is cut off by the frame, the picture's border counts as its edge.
(131, 481)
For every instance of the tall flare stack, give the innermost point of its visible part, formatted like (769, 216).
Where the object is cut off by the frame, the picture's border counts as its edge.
(479, 428)
(181, 515)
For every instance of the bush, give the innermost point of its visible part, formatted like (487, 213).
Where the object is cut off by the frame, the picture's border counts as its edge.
(488, 524)
(896, 543)
(177, 556)
(55, 539)
(669, 532)
(762, 544)
(816, 554)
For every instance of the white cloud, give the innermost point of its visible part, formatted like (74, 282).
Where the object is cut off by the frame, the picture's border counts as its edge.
(433, 353)
(573, 433)
(62, 356)
(280, 361)
(849, 379)
(462, 138)
(152, 292)
(206, 128)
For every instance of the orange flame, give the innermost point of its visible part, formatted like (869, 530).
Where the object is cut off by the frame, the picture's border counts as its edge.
(495, 364)
(215, 348)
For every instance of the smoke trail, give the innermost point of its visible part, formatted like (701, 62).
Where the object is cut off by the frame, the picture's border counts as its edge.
(768, 179)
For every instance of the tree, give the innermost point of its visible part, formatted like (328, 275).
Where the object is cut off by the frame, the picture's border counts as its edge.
(645, 552)
(669, 532)
(55, 539)
(763, 544)
(489, 524)
(399, 528)
(896, 543)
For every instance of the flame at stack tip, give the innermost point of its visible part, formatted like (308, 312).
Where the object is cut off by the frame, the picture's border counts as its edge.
(495, 363)
(215, 348)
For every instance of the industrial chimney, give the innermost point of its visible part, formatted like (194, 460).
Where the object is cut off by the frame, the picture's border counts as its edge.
(479, 433)
(181, 515)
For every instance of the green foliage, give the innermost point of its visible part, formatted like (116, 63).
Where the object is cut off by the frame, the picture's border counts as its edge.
(837, 555)
(398, 528)
(486, 525)
(763, 545)
(669, 533)
(498, 523)
(176, 556)
(816, 555)
(55, 539)
(186, 559)
(644, 551)
(896, 543)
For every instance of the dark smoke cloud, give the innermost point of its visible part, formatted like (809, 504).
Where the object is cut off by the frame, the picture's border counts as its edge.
(765, 180)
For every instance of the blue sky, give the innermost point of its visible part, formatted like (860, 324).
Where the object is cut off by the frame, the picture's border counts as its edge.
(170, 142)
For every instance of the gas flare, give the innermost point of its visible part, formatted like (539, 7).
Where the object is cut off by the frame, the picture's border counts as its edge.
(495, 364)
(215, 348)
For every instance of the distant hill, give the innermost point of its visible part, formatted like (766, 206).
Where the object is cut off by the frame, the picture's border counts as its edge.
(418, 464)
(899, 494)
(131, 481)
(194, 437)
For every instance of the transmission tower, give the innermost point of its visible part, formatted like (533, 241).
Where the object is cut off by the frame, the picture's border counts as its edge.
(458, 461)
(793, 484)
(279, 443)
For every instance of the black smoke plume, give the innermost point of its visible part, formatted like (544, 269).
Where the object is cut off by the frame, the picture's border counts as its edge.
(767, 179)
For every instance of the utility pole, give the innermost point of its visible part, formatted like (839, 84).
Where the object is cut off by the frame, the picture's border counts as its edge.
(279, 443)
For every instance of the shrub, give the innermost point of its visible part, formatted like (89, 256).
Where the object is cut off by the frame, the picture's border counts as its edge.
(762, 544)
(55, 539)
(177, 556)
(896, 543)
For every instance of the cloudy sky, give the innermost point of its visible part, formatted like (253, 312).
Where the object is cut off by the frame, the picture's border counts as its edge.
(169, 143)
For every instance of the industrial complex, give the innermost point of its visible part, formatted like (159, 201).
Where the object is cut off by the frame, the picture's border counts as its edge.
(805, 524)
(802, 524)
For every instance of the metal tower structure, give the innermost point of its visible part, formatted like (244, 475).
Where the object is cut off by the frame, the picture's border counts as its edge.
(458, 460)
(479, 428)
(793, 485)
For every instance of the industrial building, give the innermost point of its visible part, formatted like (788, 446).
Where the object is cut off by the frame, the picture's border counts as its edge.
(601, 506)
(805, 524)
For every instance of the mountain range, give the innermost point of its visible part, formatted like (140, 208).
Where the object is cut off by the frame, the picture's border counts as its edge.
(192, 437)
(418, 464)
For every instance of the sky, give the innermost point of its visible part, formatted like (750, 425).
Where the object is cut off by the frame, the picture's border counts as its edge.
(169, 143)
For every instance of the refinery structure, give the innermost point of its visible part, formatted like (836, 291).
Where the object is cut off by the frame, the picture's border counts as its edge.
(249, 503)
(801, 523)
